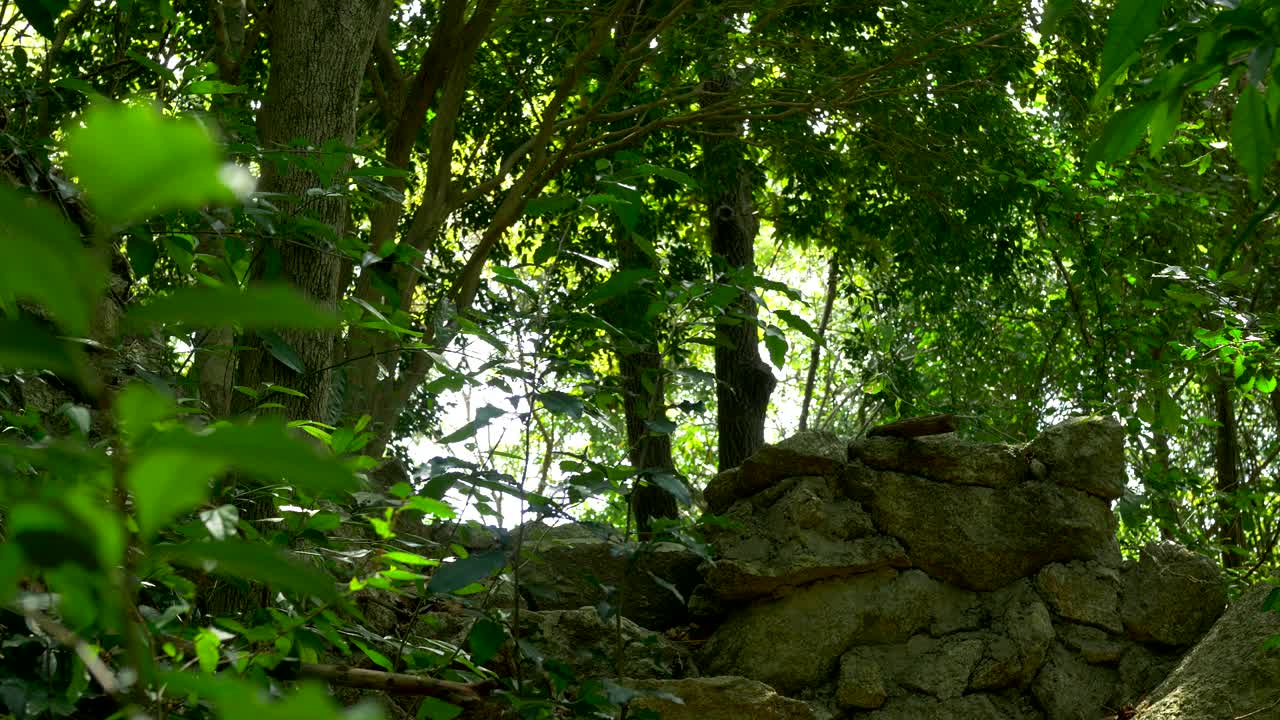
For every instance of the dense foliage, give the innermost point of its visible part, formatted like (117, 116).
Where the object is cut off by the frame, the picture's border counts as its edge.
(290, 291)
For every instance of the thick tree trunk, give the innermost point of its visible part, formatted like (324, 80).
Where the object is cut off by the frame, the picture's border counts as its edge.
(1226, 450)
(743, 381)
(319, 50)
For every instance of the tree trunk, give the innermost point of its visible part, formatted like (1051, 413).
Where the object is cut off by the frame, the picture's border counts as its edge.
(644, 394)
(743, 381)
(815, 354)
(1226, 451)
(319, 50)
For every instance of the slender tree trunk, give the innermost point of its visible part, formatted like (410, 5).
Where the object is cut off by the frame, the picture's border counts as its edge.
(644, 395)
(743, 381)
(1226, 449)
(815, 354)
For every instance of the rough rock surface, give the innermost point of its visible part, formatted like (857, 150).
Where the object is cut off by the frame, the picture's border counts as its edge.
(1227, 676)
(1085, 453)
(719, 698)
(1086, 593)
(586, 644)
(1171, 595)
(565, 567)
(806, 453)
(944, 458)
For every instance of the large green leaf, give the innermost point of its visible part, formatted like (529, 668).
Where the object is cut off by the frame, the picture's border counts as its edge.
(265, 449)
(43, 14)
(133, 162)
(234, 698)
(484, 416)
(258, 562)
(25, 345)
(167, 483)
(42, 260)
(1252, 140)
(461, 573)
(1123, 133)
(255, 308)
(1131, 22)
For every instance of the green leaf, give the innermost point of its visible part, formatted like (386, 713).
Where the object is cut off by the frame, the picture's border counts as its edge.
(212, 87)
(167, 483)
(281, 350)
(776, 342)
(142, 253)
(461, 573)
(1123, 133)
(673, 485)
(485, 640)
(484, 416)
(617, 284)
(1252, 141)
(1164, 121)
(1266, 384)
(1132, 21)
(550, 205)
(133, 162)
(799, 324)
(668, 173)
(1272, 602)
(207, 642)
(255, 308)
(265, 449)
(435, 709)
(43, 14)
(660, 427)
(562, 403)
(405, 558)
(138, 408)
(378, 658)
(252, 561)
(43, 260)
(25, 345)
(11, 571)
(430, 506)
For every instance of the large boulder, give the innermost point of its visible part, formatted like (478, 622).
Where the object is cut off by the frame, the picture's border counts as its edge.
(1228, 675)
(800, 530)
(1171, 595)
(1082, 592)
(806, 453)
(944, 458)
(1085, 453)
(983, 538)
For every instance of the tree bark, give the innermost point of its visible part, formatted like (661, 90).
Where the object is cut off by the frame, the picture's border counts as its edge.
(319, 49)
(1226, 451)
(743, 381)
(815, 354)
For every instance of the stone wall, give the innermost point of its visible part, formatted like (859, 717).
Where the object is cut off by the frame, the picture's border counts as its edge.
(938, 578)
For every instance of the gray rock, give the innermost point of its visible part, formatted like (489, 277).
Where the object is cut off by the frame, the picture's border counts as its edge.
(1019, 639)
(806, 453)
(940, 667)
(983, 538)
(861, 685)
(1094, 645)
(1141, 669)
(565, 566)
(718, 698)
(1172, 595)
(1085, 453)
(945, 458)
(968, 707)
(804, 531)
(1227, 675)
(1083, 592)
(796, 641)
(587, 644)
(1068, 688)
